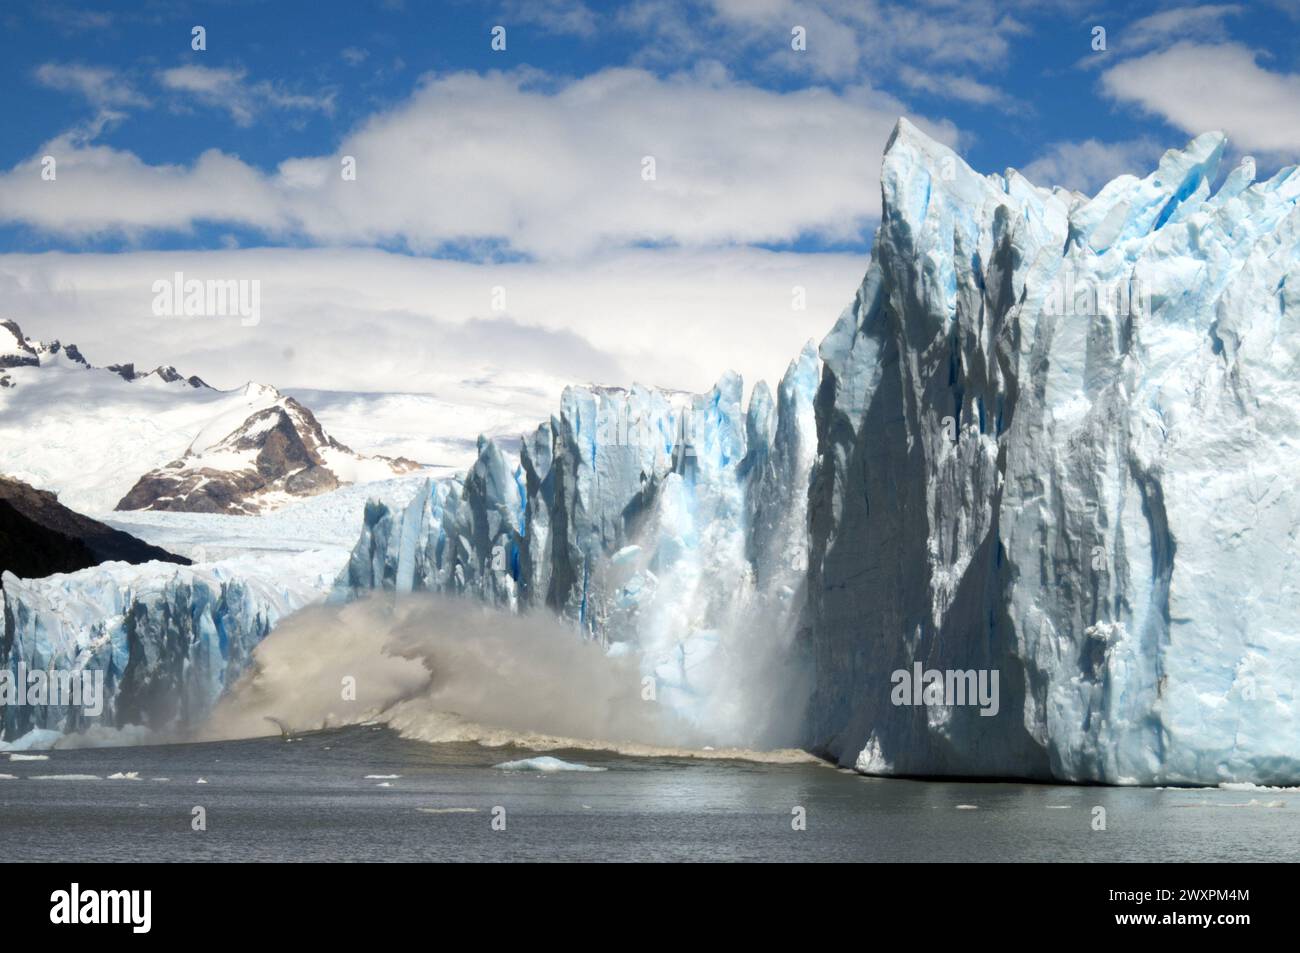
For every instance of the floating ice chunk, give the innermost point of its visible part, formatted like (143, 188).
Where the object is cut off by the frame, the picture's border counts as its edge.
(546, 764)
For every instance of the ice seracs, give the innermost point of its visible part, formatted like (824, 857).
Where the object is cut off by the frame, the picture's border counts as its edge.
(167, 639)
(662, 524)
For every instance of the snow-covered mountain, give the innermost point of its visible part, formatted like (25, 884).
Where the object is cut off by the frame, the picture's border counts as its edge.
(14, 351)
(277, 453)
(18, 350)
(110, 437)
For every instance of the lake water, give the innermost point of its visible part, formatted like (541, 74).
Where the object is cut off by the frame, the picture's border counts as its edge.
(311, 799)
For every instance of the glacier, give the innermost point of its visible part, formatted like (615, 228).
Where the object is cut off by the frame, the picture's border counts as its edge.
(666, 525)
(168, 639)
(1087, 492)
(1048, 442)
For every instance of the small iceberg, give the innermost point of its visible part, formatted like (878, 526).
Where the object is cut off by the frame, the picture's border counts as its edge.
(125, 776)
(547, 764)
(29, 757)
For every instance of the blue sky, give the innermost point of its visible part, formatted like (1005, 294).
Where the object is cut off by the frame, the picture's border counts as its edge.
(766, 157)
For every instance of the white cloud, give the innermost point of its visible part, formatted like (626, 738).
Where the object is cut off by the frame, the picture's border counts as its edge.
(1203, 23)
(848, 39)
(1087, 165)
(100, 85)
(1180, 24)
(1200, 88)
(952, 86)
(549, 168)
(375, 321)
(228, 89)
(564, 17)
(354, 56)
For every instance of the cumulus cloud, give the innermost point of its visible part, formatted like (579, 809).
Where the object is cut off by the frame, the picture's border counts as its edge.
(1198, 88)
(518, 160)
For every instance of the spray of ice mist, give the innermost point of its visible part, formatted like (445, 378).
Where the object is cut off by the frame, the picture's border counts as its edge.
(445, 669)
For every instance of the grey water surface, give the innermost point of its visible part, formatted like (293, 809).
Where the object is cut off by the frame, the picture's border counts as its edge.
(310, 800)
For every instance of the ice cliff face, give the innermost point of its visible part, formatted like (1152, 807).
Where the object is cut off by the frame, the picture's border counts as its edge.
(168, 639)
(668, 525)
(1054, 437)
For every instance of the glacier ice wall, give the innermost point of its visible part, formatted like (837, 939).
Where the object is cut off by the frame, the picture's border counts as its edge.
(1054, 437)
(666, 525)
(169, 639)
